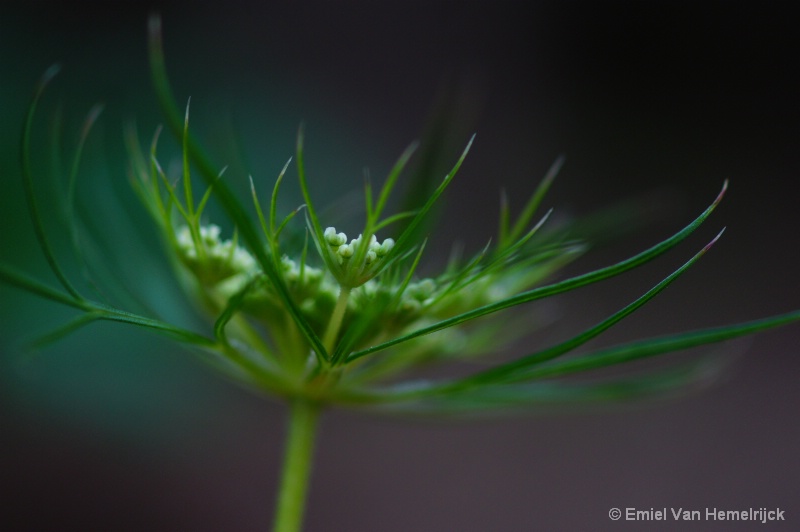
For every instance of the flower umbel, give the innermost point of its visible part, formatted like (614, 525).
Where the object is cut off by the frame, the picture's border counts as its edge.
(347, 324)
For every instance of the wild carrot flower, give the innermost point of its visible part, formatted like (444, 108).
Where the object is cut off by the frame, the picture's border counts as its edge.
(300, 310)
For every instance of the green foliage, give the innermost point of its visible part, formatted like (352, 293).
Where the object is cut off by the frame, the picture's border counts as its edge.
(348, 324)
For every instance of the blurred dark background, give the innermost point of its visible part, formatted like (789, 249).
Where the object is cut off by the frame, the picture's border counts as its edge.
(115, 429)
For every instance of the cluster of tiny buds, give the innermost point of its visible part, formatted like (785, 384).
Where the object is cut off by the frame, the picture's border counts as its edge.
(343, 250)
(215, 249)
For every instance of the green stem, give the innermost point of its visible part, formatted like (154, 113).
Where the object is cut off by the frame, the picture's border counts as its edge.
(329, 340)
(303, 417)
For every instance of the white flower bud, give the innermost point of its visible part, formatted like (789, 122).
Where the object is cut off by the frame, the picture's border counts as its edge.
(219, 251)
(242, 260)
(311, 274)
(346, 250)
(334, 239)
(410, 305)
(287, 263)
(210, 233)
(421, 290)
(427, 286)
(184, 237)
(385, 247)
(371, 256)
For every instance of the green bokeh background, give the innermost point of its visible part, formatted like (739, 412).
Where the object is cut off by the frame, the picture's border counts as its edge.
(116, 429)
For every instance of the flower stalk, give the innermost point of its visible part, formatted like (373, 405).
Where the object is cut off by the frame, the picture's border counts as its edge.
(297, 461)
(335, 325)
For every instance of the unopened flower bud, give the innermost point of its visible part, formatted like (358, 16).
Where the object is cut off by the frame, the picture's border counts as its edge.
(333, 238)
(385, 247)
(346, 250)
(210, 233)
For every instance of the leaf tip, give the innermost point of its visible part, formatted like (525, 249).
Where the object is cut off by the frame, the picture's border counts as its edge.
(300, 136)
(721, 192)
(154, 25)
(186, 114)
(714, 240)
(91, 118)
(51, 72)
(469, 144)
(554, 169)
